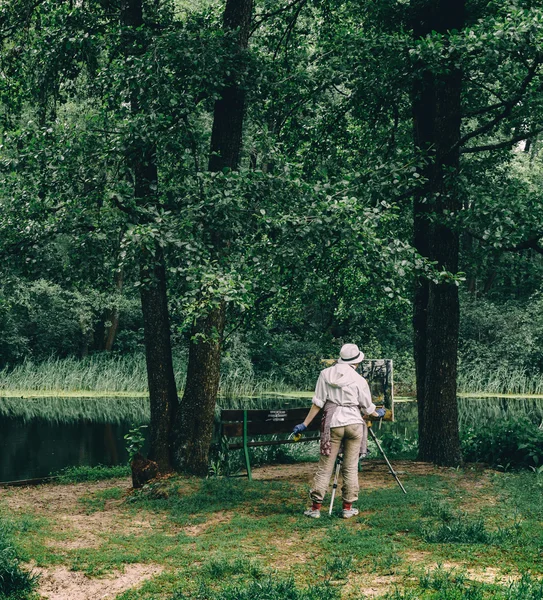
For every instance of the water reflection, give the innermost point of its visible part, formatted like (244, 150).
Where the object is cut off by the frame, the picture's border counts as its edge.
(41, 436)
(36, 440)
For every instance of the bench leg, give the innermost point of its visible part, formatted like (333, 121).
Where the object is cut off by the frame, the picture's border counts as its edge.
(245, 447)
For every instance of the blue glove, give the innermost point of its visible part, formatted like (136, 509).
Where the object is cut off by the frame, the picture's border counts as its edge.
(381, 412)
(299, 428)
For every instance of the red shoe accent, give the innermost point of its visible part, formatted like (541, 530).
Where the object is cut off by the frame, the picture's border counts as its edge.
(347, 505)
(316, 506)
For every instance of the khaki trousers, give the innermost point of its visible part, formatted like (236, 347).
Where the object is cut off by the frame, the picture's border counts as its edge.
(351, 436)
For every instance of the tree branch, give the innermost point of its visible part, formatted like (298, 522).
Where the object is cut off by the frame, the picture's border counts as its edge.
(509, 105)
(503, 144)
(288, 31)
(532, 243)
(484, 109)
(273, 13)
(488, 89)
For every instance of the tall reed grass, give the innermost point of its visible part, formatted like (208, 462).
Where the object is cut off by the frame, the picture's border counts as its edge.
(485, 411)
(501, 380)
(101, 373)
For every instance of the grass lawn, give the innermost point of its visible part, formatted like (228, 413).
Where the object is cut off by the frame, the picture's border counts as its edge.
(457, 534)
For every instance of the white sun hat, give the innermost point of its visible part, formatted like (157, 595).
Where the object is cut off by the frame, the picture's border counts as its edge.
(350, 355)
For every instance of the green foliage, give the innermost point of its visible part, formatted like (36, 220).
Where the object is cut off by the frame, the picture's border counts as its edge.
(16, 583)
(501, 345)
(98, 473)
(511, 443)
(266, 589)
(134, 441)
(395, 445)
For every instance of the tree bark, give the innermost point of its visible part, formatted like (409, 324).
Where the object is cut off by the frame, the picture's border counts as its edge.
(158, 357)
(437, 120)
(112, 316)
(154, 302)
(194, 421)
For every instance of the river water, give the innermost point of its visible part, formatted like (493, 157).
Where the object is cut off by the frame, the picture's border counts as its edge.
(37, 447)
(40, 436)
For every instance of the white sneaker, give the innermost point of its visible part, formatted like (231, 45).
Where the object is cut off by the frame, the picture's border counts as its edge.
(314, 514)
(348, 513)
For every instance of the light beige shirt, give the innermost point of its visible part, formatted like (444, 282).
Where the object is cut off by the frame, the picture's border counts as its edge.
(343, 386)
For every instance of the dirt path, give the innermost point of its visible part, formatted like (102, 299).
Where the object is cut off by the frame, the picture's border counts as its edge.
(62, 584)
(374, 473)
(79, 529)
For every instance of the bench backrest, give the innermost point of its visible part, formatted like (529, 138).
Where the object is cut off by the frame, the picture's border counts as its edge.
(262, 422)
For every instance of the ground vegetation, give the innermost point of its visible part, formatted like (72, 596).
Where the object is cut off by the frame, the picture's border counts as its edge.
(463, 534)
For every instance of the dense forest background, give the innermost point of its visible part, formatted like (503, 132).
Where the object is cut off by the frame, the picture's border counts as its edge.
(309, 243)
(316, 226)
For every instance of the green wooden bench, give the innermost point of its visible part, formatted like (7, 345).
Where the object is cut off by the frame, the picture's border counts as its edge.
(248, 424)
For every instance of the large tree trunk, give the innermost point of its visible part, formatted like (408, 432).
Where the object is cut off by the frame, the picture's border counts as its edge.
(195, 419)
(158, 356)
(154, 302)
(194, 423)
(437, 120)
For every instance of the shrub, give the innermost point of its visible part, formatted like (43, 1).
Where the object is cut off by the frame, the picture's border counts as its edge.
(15, 582)
(268, 589)
(504, 444)
(396, 446)
(459, 531)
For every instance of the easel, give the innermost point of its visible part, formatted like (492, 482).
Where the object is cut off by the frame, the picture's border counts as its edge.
(392, 471)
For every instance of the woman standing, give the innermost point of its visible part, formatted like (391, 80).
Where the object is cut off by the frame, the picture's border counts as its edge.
(344, 395)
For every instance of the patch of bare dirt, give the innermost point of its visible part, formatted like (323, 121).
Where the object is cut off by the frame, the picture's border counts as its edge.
(481, 574)
(61, 584)
(370, 586)
(288, 554)
(374, 474)
(89, 531)
(477, 485)
(75, 527)
(59, 498)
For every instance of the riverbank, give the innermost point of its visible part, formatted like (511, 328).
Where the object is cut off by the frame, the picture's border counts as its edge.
(120, 375)
(474, 533)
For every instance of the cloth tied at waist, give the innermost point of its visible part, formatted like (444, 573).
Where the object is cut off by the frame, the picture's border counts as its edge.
(329, 409)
